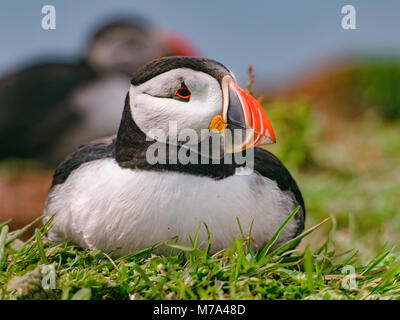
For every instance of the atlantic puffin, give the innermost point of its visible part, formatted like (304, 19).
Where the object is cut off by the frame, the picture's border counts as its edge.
(49, 109)
(107, 195)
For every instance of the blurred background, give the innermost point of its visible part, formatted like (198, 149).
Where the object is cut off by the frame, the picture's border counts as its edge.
(333, 95)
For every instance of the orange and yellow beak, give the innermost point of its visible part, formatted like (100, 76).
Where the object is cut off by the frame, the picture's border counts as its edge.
(243, 115)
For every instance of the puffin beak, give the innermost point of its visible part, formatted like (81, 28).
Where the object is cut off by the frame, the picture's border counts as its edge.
(243, 115)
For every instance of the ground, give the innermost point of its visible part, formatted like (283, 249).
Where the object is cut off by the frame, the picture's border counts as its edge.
(349, 172)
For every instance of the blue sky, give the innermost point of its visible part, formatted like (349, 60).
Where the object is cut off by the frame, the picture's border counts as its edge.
(280, 38)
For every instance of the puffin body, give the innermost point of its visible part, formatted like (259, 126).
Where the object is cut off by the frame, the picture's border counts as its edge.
(110, 195)
(34, 107)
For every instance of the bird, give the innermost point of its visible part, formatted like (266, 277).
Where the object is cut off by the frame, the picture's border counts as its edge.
(49, 109)
(110, 195)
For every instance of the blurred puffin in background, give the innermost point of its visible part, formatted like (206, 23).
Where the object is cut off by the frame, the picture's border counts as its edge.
(108, 195)
(49, 109)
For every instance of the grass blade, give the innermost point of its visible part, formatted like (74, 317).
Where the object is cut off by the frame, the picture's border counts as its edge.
(5, 223)
(389, 276)
(240, 229)
(17, 233)
(375, 262)
(308, 267)
(139, 253)
(82, 294)
(143, 274)
(292, 243)
(196, 236)
(40, 247)
(271, 242)
(208, 239)
(3, 237)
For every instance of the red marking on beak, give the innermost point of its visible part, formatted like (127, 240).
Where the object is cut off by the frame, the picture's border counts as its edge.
(255, 118)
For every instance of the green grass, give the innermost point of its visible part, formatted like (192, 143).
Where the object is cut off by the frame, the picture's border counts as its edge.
(348, 172)
(190, 273)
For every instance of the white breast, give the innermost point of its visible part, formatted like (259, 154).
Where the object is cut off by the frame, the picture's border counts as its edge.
(106, 207)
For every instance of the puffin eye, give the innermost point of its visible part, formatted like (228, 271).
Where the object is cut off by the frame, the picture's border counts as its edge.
(183, 93)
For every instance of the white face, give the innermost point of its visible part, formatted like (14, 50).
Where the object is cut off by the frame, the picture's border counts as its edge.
(154, 103)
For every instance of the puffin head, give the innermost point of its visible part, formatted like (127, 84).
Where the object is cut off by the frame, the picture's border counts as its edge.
(197, 94)
(124, 45)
